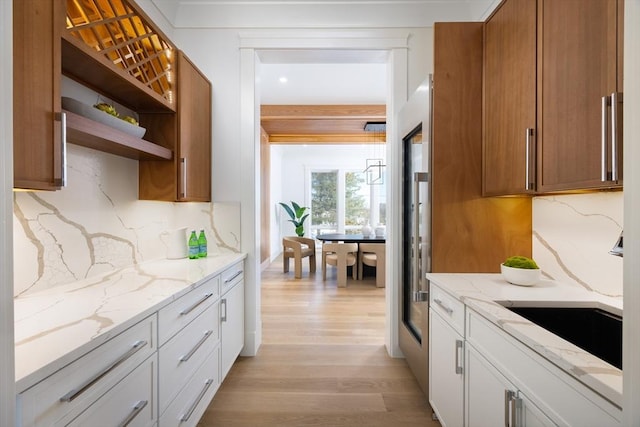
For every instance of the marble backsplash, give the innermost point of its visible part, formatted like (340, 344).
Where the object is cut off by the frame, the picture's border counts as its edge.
(572, 236)
(97, 224)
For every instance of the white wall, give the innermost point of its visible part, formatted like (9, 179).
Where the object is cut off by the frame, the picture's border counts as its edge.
(217, 53)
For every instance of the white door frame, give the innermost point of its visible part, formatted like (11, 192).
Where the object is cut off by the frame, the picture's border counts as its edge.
(255, 45)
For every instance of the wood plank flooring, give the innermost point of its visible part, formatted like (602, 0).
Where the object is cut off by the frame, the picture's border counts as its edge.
(322, 361)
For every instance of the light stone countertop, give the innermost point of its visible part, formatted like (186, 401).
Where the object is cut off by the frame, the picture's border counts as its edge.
(56, 326)
(482, 292)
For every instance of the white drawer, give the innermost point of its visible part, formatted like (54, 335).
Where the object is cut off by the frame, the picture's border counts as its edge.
(231, 276)
(187, 408)
(560, 396)
(72, 389)
(132, 402)
(451, 310)
(183, 354)
(180, 312)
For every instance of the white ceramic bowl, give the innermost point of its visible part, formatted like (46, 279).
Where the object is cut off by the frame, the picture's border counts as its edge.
(521, 276)
(93, 113)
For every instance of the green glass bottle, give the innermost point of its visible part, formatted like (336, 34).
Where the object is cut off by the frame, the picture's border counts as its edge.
(194, 246)
(202, 243)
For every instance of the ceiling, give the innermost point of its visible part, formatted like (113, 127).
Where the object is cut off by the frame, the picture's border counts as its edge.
(321, 78)
(320, 102)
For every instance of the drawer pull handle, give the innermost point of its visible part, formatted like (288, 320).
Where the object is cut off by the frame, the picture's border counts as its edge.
(195, 304)
(73, 394)
(195, 348)
(448, 310)
(186, 416)
(134, 413)
(239, 272)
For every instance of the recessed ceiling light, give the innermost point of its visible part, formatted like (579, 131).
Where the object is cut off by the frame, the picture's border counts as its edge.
(283, 79)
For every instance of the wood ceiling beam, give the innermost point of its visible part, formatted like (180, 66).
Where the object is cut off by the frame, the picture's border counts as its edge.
(320, 112)
(322, 124)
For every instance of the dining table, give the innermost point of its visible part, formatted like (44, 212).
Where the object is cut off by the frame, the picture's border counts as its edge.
(350, 238)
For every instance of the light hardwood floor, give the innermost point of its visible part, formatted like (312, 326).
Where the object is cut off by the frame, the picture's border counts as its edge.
(322, 361)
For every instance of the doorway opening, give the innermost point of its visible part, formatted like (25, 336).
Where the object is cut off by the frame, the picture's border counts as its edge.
(256, 52)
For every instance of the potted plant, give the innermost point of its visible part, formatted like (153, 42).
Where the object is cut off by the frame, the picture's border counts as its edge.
(297, 215)
(520, 270)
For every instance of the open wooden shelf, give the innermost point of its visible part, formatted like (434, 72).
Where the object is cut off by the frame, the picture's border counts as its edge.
(92, 134)
(81, 63)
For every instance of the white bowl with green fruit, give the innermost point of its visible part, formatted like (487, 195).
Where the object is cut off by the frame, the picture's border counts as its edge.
(521, 271)
(106, 114)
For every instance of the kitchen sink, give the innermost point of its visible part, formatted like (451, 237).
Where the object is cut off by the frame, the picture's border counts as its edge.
(592, 329)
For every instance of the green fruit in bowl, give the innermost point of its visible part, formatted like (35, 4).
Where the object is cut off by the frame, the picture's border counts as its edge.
(107, 108)
(131, 120)
(521, 262)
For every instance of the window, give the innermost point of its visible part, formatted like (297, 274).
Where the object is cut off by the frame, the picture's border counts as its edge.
(343, 202)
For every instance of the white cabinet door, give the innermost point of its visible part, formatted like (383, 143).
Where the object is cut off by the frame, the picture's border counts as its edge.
(446, 372)
(492, 400)
(485, 392)
(531, 415)
(232, 326)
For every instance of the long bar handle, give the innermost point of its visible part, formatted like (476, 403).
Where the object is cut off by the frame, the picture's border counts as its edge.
(604, 137)
(528, 141)
(138, 407)
(459, 363)
(73, 394)
(183, 193)
(509, 396)
(615, 98)
(186, 416)
(418, 177)
(239, 272)
(195, 348)
(223, 318)
(62, 118)
(196, 304)
(448, 310)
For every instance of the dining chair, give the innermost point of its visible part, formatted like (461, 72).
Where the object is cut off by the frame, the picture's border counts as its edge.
(373, 255)
(298, 248)
(340, 255)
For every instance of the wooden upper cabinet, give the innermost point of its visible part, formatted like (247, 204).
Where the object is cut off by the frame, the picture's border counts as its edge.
(188, 176)
(580, 47)
(37, 148)
(509, 98)
(112, 48)
(553, 83)
(194, 137)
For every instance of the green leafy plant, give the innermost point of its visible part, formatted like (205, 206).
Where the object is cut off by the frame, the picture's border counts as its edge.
(297, 215)
(521, 262)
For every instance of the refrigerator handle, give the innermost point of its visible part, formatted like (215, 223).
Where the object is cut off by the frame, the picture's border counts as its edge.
(418, 295)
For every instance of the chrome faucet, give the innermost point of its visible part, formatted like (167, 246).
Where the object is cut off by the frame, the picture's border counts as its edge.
(617, 249)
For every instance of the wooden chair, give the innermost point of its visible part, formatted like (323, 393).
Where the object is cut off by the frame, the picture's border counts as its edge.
(298, 248)
(340, 255)
(373, 255)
